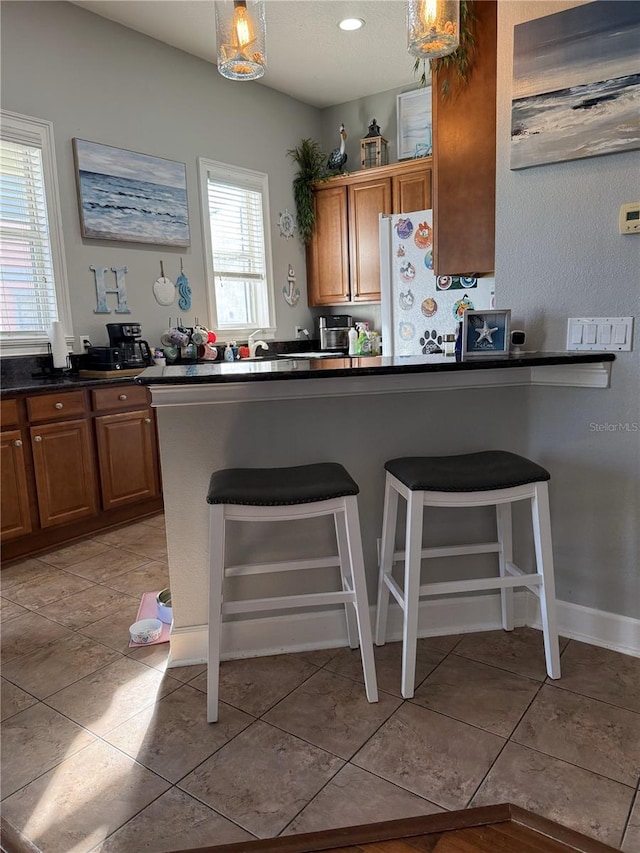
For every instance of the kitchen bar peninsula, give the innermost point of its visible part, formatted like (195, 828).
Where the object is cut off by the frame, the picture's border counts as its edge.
(356, 411)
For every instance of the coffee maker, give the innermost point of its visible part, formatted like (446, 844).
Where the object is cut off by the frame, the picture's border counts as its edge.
(126, 339)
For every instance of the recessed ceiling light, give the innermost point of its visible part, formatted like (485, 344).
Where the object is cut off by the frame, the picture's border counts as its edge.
(351, 24)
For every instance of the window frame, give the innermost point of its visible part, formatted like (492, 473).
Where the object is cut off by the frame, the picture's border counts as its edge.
(28, 130)
(250, 179)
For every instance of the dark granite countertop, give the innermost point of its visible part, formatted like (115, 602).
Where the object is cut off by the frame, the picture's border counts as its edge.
(315, 368)
(24, 382)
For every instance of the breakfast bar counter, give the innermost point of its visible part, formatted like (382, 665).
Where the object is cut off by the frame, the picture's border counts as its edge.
(356, 411)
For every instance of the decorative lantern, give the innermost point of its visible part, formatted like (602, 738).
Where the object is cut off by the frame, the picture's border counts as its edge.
(373, 148)
(241, 37)
(433, 27)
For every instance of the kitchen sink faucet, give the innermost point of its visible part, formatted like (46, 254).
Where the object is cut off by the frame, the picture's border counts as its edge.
(253, 344)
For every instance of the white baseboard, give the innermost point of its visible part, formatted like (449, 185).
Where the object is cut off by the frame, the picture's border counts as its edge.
(456, 615)
(597, 627)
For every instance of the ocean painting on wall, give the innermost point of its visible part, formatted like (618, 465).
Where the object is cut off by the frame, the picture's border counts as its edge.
(576, 84)
(132, 197)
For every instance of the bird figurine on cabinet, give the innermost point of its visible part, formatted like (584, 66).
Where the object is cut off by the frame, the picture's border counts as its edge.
(338, 157)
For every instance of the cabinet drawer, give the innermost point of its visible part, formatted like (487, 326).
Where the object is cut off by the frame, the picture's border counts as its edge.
(119, 397)
(8, 413)
(68, 404)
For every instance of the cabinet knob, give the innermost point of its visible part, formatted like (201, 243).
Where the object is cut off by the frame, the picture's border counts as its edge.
(59, 406)
(122, 397)
(37, 438)
(147, 420)
(18, 442)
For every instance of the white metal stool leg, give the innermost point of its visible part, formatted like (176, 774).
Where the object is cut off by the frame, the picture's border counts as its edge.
(505, 556)
(347, 576)
(541, 519)
(387, 548)
(216, 579)
(413, 556)
(361, 602)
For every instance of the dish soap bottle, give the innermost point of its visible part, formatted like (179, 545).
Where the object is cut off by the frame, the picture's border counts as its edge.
(353, 341)
(228, 353)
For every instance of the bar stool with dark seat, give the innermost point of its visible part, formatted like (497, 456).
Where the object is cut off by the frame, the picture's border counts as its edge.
(488, 478)
(286, 494)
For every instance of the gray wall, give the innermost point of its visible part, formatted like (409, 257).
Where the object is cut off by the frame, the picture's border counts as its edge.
(99, 81)
(559, 255)
(558, 250)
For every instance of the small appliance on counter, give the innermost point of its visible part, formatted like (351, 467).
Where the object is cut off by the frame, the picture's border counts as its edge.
(126, 351)
(334, 332)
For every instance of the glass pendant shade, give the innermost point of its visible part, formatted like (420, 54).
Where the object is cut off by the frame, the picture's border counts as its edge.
(241, 37)
(433, 27)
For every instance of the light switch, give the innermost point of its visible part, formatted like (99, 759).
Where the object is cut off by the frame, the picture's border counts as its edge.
(590, 333)
(576, 333)
(600, 333)
(619, 333)
(605, 333)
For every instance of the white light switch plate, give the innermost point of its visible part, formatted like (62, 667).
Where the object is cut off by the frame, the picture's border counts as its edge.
(600, 333)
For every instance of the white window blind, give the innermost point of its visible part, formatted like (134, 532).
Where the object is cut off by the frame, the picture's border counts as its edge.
(27, 286)
(33, 285)
(238, 248)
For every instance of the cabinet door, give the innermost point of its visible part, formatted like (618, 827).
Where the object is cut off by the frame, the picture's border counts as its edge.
(65, 471)
(464, 159)
(127, 457)
(366, 202)
(411, 191)
(327, 254)
(14, 497)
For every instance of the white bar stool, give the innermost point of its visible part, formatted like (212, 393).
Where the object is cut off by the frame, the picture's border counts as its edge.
(488, 478)
(285, 494)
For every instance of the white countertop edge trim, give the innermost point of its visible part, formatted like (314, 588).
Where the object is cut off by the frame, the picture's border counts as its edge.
(590, 375)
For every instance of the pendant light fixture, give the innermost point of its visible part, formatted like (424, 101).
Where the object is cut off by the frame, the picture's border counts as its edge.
(241, 36)
(433, 27)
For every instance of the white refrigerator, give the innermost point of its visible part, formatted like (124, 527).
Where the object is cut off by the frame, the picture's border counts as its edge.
(417, 307)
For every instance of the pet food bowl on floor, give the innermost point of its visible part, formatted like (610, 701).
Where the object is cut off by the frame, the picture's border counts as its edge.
(163, 605)
(145, 631)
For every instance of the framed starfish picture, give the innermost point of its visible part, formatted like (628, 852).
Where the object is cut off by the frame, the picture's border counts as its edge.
(485, 334)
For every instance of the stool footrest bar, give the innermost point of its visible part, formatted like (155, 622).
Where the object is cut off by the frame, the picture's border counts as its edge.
(452, 551)
(283, 566)
(447, 587)
(314, 599)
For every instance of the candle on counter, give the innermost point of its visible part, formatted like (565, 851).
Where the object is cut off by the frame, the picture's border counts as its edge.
(59, 348)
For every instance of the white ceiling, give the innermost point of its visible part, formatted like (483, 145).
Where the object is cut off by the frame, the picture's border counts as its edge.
(308, 57)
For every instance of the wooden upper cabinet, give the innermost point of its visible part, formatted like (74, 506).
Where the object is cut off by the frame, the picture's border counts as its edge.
(366, 203)
(411, 191)
(65, 471)
(464, 159)
(328, 252)
(343, 258)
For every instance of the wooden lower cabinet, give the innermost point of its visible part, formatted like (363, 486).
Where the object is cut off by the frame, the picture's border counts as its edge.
(127, 457)
(15, 517)
(74, 463)
(65, 471)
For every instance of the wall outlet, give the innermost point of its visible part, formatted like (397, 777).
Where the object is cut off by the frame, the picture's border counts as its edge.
(301, 332)
(82, 343)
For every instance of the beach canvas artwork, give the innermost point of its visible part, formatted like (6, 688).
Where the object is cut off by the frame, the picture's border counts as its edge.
(132, 197)
(576, 84)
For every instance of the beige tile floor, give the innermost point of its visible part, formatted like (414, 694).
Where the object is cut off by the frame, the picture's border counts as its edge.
(104, 749)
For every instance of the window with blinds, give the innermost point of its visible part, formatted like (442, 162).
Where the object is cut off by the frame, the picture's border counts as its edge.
(236, 238)
(31, 255)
